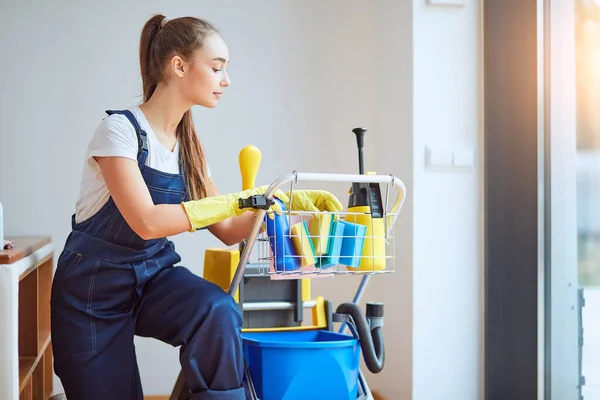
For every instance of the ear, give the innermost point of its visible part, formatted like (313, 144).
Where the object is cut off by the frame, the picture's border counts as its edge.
(177, 66)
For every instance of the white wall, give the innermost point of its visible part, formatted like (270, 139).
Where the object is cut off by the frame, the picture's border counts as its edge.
(395, 116)
(447, 217)
(304, 74)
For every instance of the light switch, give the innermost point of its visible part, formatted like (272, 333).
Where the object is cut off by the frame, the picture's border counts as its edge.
(445, 157)
(455, 3)
(439, 157)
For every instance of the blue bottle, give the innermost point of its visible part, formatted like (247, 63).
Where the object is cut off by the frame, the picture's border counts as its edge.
(278, 230)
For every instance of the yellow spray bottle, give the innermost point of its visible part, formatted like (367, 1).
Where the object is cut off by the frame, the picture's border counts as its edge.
(365, 207)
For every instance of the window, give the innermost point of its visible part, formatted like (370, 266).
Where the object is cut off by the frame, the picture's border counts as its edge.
(587, 67)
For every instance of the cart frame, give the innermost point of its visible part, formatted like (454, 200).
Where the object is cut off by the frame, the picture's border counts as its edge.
(180, 389)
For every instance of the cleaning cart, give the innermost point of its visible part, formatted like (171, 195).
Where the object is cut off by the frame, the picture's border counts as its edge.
(286, 356)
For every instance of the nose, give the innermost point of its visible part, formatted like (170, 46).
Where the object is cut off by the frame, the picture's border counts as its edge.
(226, 81)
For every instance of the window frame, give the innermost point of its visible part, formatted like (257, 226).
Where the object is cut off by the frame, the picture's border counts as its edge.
(531, 347)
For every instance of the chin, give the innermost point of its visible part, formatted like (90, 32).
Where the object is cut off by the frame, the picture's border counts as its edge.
(208, 103)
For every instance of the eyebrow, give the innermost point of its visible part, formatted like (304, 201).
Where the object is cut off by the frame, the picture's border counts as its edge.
(220, 59)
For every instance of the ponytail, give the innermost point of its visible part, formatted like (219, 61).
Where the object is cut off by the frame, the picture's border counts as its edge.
(180, 36)
(150, 67)
(192, 155)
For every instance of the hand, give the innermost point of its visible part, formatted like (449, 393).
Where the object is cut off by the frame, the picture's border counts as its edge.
(210, 210)
(261, 190)
(314, 201)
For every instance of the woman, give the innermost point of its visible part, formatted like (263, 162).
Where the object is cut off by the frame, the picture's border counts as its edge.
(145, 179)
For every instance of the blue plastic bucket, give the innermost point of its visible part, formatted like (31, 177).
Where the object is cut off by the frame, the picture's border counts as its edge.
(301, 365)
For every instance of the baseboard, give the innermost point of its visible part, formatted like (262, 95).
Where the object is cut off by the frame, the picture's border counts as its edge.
(376, 396)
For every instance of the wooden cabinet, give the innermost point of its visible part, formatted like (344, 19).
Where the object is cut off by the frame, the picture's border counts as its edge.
(25, 350)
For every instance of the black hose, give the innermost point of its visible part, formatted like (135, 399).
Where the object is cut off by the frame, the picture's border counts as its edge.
(371, 342)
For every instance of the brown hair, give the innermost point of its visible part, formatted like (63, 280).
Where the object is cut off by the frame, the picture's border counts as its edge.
(180, 36)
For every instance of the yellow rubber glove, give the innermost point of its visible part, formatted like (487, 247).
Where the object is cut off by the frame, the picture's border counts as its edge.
(210, 210)
(314, 201)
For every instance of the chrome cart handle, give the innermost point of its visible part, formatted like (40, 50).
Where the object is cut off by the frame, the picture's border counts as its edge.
(295, 177)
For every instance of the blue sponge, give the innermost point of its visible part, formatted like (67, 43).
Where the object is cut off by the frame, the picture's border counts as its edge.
(331, 258)
(352, 243)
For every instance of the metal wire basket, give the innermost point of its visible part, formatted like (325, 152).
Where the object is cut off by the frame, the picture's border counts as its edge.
(300, 244)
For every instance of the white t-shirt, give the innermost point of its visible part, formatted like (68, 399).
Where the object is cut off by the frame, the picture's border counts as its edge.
(116, 137)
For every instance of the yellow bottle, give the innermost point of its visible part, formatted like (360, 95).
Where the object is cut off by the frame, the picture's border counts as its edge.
(373, 254)
(365, 202)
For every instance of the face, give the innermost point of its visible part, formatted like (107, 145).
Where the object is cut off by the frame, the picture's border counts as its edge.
(203, 79)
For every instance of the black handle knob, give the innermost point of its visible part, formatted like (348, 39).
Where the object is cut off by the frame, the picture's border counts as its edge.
(374, 310)
(360, 133)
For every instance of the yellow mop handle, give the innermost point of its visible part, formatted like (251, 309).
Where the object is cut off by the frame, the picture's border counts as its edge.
(249, 160)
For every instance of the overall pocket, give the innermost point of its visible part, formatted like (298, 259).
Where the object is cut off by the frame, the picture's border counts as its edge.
(67, 262)
(73, 328)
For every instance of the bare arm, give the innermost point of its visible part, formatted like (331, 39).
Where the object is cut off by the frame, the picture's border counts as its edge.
(132, 197)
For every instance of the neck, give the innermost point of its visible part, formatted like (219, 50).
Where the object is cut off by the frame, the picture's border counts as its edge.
(164, 110)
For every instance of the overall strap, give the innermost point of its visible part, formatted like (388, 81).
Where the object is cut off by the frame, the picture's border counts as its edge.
(142, 139)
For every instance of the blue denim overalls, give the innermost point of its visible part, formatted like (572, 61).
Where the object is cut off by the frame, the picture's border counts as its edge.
(110, 285)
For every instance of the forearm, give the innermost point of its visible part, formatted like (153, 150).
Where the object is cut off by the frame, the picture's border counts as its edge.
(163, 220)
(151, 221)
(234, 229)
(171, 219)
